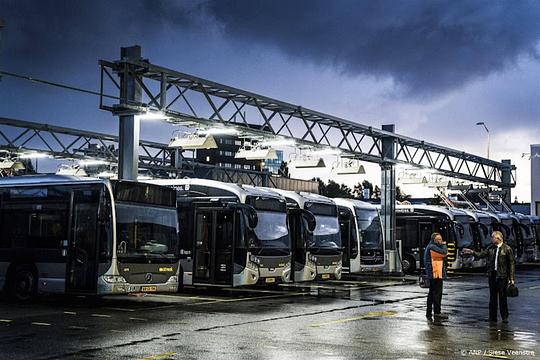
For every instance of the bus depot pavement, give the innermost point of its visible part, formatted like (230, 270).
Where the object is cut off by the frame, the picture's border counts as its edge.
(361, 317)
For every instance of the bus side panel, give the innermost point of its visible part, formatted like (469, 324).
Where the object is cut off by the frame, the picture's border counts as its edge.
(34, 231)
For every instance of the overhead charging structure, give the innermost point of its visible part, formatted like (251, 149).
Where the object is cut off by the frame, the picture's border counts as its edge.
(191, 101)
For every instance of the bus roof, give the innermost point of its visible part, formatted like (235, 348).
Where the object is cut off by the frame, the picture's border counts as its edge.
(353, 203)
(240, 191)
(303, 197)
(477, 215)
(49, 179)
(450, 212)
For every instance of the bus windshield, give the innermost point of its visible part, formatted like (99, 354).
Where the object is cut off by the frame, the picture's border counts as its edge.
(327, 232)
(369, 225)
(146, 231)
(271, 230)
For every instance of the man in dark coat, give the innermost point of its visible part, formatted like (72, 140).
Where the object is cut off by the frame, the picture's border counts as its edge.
(435, 268)
(501, 271)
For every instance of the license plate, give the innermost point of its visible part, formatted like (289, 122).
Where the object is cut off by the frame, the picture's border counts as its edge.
(325, 276)
(149, 288)
(270, 280)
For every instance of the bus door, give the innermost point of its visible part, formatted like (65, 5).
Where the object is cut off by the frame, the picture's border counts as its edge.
(348, 240)
(82, 247)
(213, 255)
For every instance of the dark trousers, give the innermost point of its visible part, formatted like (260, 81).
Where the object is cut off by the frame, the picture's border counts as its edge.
(497, 294)
(434, 296)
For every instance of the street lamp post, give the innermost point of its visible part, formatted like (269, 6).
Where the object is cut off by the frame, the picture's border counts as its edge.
(487, 130)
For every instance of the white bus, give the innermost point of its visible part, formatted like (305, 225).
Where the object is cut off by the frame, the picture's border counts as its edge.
(85, 236)
(232, 235)
(317, 252)
(362, 236)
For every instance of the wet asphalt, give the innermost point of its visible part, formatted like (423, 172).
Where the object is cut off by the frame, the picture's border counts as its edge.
(362, 317)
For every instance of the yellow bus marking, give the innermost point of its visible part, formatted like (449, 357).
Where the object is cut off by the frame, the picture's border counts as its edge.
(5, 320)
(367, 315)
(160, 356)
(535, 287)
(41, 324)
(138, 319)
(70, 312)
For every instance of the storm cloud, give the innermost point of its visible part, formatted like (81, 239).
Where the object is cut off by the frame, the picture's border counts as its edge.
(426, 47)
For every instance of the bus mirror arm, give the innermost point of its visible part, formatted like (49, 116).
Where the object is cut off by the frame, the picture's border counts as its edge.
(248, 211)
(310, 220)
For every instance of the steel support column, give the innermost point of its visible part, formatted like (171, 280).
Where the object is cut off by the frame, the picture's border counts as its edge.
(388, 202)
(506, 178)
(129, 132)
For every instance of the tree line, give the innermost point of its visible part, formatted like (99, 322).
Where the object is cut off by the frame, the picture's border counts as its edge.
(364, 190)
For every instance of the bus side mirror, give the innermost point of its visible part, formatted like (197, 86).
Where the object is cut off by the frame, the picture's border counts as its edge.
(310, 220)
(248, 211)
(252, 218)
(461, 229)
(484, 228)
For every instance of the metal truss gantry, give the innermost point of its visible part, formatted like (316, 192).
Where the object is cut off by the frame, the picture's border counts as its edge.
(192, 101)
(18, 136)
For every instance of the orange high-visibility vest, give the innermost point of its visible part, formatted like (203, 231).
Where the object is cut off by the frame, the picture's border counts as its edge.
(437, 263)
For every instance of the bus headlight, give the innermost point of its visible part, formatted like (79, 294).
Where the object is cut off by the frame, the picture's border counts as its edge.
(113, 279)
(312, 258)
(255, 259)
(173, 279)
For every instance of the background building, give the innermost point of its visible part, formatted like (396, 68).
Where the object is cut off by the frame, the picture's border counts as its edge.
(535, 179)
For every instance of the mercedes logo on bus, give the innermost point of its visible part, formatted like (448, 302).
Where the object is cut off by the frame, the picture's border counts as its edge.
(148, 277)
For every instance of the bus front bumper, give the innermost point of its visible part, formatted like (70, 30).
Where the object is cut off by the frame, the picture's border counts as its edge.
(274, 275)
(327, 272)
(115, 285)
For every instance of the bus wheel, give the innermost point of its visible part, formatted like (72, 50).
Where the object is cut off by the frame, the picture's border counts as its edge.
(23, 283)
(408, 265)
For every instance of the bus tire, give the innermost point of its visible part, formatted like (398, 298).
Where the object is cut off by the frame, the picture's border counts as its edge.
(22, 283)
(408, 264)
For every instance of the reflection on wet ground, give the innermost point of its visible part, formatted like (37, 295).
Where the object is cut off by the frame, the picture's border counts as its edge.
(358, 317)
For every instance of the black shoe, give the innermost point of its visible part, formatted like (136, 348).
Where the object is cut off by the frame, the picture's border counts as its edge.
(441, 316)
(429, 318)
(505, 320)
(492, 320)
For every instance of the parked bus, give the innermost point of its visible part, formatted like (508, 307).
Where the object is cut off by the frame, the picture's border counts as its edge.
(416, 223)
(63, 234)
(317, 253)
(481, 227)
(523, 227)
(362, 236)
(232, 235)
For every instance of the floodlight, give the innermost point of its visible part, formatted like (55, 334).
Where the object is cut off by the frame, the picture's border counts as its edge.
(256, 153)
(307, 163)
(194, 142)
(152, 115)
(33, 155)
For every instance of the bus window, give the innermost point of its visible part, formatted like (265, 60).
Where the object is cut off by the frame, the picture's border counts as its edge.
(37, 217)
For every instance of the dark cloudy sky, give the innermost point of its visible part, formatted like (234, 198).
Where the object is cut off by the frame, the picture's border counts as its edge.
(434, 68)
